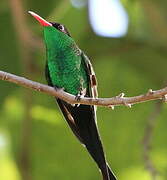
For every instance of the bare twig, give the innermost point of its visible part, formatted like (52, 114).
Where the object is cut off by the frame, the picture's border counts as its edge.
(60, 10)
(27, 44)
(114, 101)
(157, 21)
(148, 133)
(20, 23)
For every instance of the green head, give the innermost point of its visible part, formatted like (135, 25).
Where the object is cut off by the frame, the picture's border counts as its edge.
(55, 34)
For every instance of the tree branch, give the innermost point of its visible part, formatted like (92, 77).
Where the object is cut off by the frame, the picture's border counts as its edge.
(148, 138)
(110, 102)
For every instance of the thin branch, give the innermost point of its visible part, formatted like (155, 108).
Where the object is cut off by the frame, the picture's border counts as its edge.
(156, 19)
(23, 31)
(147, 140)
(60, 10)
(27, 43)
(110, 102)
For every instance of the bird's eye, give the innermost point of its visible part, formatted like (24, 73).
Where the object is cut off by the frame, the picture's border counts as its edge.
(61, 28)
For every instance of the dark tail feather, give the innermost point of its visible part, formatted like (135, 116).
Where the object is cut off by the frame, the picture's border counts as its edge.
(111, 174)
(107, 172)
(82, 122)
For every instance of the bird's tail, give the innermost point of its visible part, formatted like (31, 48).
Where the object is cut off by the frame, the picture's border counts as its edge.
(108, 174)
(106, 171)
(94, 147)
(82, 121)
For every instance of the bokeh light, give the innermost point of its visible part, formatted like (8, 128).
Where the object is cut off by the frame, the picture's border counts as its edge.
(108, 18)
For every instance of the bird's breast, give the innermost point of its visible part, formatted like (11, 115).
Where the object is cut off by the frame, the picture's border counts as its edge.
(66, 71)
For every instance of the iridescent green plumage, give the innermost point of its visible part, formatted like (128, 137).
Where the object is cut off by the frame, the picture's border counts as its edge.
(64, 60)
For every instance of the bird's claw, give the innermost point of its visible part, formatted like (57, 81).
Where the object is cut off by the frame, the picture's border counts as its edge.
(58, 88)
(78, 97)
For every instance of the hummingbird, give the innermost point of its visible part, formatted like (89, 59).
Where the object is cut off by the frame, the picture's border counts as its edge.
(68, 68)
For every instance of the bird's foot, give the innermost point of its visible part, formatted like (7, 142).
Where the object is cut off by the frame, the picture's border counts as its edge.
(58, 88)
(78, 97)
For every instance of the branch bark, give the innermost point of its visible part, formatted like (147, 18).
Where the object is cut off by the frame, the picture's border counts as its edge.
(26, 45)
(148, 139)
(60, 93)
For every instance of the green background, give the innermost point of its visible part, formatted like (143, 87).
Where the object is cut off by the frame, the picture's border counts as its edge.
(35, 141)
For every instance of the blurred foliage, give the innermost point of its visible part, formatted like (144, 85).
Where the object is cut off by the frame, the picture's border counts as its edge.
(132, 65)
